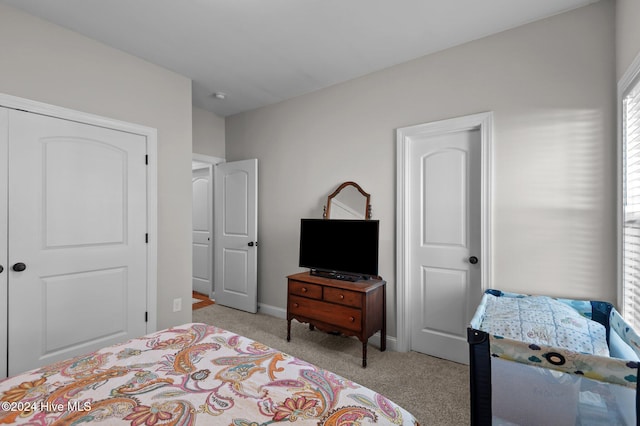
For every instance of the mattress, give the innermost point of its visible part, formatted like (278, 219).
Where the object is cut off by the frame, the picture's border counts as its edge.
(187, 375)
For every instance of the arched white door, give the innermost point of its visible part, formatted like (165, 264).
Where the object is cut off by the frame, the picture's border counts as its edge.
(236, 229)
(76, 267)
(445, 242)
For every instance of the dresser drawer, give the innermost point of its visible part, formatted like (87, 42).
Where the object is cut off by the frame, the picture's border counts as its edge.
(312, 291)
(340, 316)
(344, 297)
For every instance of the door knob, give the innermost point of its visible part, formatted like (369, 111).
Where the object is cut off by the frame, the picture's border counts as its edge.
(250, 244)
(1, 269)
(473, 260)
(19, 267)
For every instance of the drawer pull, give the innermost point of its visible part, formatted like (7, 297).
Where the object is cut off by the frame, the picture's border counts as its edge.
(352, 319)
(341, 296)
(304, 289)
(295, 305)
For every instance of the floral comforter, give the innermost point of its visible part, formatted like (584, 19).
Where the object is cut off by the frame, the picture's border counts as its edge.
(187, 375)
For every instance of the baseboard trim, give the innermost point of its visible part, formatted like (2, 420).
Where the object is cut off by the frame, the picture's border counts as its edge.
(274, 311)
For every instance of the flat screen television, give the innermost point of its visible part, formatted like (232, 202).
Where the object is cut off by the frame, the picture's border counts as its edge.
(341, 249)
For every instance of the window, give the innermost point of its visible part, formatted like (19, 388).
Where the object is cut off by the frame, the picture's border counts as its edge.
(630, 138)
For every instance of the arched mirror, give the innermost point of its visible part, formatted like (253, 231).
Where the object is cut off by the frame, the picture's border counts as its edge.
(348, 201)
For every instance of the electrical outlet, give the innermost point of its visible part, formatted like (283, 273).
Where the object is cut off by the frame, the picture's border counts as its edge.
(177, 304)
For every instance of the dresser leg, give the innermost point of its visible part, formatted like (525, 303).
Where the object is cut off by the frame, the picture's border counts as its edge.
(288, 330)
(364, 354)
(383, 332)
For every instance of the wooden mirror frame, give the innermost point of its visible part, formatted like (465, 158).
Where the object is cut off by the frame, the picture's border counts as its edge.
(327, 208)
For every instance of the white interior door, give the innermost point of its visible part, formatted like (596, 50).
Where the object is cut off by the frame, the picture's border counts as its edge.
(77, 224)
(236, 230)
(445, 223)
(202, 229)
(4, 272)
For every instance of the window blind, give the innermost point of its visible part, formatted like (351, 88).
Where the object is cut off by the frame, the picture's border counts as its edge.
(631, 204)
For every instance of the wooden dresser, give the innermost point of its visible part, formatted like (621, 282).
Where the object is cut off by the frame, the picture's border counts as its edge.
(350, 308)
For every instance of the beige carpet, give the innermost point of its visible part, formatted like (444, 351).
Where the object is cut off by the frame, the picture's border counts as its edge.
(435, 391)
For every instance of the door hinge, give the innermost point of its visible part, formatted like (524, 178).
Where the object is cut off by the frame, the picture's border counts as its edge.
(146, 317)
(146, 159)
(146, 238)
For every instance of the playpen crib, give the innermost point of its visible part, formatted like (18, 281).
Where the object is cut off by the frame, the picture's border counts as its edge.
(537, 360)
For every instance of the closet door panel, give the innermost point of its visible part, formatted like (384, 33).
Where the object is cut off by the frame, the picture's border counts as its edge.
(4, 163)
(77, 221)
(84, 201)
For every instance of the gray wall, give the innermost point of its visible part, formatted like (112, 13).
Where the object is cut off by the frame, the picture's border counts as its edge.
(627, 33)
(551, 85)
(208, 133)
(46, 63)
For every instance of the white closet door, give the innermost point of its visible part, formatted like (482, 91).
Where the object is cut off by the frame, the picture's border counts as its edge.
(77, 222)
(4, 163)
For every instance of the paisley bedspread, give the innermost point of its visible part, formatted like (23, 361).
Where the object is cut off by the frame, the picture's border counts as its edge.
(187, 375)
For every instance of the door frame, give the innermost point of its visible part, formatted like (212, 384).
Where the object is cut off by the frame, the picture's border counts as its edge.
(151, 135)
(482, 122)
(211, 162)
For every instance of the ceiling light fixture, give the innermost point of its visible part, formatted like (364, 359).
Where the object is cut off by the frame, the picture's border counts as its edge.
(220, 95)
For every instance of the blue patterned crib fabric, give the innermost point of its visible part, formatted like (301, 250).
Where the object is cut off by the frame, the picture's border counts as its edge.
(544, 320)
(630, 341)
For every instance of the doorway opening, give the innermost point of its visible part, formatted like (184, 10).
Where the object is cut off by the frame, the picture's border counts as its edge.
(203, 219)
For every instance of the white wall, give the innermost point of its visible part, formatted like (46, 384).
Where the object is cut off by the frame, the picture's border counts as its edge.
(208, 133)
(551, 85)
(46, 63)
(627, 34)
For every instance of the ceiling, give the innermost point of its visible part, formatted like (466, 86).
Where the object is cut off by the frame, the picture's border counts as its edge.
(259, 52)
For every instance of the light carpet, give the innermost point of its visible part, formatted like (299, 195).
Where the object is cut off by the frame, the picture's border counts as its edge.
(435, 391)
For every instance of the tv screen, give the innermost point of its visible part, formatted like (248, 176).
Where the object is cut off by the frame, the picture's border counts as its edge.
(337, 246)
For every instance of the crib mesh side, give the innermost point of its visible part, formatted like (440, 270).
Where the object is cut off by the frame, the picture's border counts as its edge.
(528, 395)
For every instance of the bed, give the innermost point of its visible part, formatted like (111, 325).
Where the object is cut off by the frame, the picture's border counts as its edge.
(187, 375)
(541, 360)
